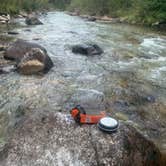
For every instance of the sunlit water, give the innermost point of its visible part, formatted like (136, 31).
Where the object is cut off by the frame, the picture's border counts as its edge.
(131, 72)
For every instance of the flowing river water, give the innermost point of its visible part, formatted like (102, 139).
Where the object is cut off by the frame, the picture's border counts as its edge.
(131, 73)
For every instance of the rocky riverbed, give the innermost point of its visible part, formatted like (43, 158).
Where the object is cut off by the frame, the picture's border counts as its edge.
(127, 81)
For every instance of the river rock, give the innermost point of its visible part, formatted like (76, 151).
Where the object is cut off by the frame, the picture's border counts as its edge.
(87, 49)
(91, 19)
(105, 18)
(75, 13)
(34, 61)
(18, 49)
(161, 25)
(23, 14)
(53, 139)
(13, 33)
(32, 20)
(2, 47)
(4, 18)
(30, 67)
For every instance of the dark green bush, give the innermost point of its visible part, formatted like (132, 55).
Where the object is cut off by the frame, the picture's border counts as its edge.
(140, 11)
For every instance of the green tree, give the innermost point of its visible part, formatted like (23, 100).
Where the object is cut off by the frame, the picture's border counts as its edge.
(141, 11)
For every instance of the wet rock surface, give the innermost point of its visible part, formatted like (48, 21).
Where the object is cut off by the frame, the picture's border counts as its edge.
(35, 61)
(2, 47)
(30, 67)
(54, 139)
(30, 58)
(5, 65)
(87, 49)
(18, 49)
(12, 33)
(32, 20)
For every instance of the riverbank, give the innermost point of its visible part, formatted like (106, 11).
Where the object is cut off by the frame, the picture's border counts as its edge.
(160, 26)
(138, 12)
(126, 18)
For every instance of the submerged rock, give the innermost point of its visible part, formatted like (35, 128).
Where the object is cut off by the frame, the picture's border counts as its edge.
(33, 21)
(87, 49)
(48, 139)
(7, 69)
(2, 47)
(34, 61)
(1, 71)
(88, 98)
(13, 33)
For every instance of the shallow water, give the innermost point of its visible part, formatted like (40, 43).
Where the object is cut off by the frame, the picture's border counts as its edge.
(131, 72)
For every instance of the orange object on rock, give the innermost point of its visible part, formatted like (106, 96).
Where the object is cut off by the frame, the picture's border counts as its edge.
(80, 116)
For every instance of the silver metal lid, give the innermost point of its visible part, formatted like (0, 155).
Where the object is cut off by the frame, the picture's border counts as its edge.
(108, 124)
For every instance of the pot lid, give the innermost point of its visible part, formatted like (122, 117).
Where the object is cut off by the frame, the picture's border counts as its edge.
(108, 124)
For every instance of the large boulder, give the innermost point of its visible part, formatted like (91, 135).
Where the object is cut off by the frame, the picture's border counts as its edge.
(32, 20)
(30, 67)
(18, 49)
(87, 49)
(55, 139)
(31, 58)
(34, 61)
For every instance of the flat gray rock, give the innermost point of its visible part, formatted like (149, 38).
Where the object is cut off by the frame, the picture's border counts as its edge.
(54, 139)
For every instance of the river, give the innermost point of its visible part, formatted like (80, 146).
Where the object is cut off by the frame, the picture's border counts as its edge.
(131, 73)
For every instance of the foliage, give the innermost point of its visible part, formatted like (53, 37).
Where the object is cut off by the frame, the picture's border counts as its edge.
(60, 4)
(140, 11)
(13, 6)
(151, 10)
